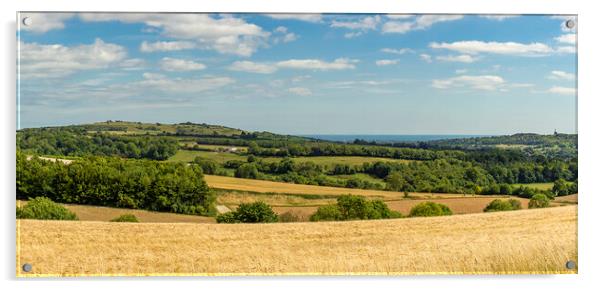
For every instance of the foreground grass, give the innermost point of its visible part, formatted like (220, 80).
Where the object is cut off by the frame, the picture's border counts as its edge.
(527, 241)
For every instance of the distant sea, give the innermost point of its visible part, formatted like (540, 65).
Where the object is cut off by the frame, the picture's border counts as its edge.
(387, 138)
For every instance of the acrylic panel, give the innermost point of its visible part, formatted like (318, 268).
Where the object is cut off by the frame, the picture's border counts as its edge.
(187, 144)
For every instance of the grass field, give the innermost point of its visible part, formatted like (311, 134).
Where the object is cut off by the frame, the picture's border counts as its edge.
(541, 186)
(104, 214)
(333, 160)
(221, 157)
(469, 244)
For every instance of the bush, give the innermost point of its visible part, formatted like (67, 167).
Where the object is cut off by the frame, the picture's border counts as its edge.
(247, 171)
(288, 217)
(516, 205)
(351, 207)
(498, 205)
(257, 212)
(209, 167)
(539, 201)
(126, 218)
(229, 218)
(43, 208)
(429, 209)
(327, 213)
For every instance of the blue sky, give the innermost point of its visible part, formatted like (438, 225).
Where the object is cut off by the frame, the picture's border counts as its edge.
(301, 73)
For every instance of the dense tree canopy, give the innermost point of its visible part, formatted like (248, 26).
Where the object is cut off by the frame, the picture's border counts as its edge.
(113, 182)
(75, 142)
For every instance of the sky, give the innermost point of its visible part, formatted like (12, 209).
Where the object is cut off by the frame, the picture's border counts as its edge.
(301, 73)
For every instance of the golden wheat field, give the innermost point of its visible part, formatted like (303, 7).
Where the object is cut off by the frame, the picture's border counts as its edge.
(526, 241)
(261, 186)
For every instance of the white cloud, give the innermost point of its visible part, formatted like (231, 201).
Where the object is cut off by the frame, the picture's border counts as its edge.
(399, 16)
(461, 71)
(285, 35)
(166, 46)
(465, 58)
(313, 18)
(159, 82)
(479, 82)
(366, 23)
(304, 64)
(418, 23)
(253, 67)
(150, 75)
(281, 29)
(561, 75)
(426, 57)
(300, 91)
(397, 27)
(133, 64)
(353, 34)
(566, 49)
(563, 90)
(505, 48)
(396, 51)
(426, 21)
(174, 64)
(224, 34)
(55, 60)
(569, 38)
(315, 64)
(45, 21)
(384, 62)
(499, 17)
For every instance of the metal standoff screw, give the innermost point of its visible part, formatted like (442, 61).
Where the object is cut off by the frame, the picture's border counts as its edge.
(27, 21)
(27, 267)
(571, 265)
(570, 24)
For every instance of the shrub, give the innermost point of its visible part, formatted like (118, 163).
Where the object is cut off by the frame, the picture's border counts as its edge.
(428, 209)
(351, 207)
(257, 212)
(209, 167)
(539, 201)
(126, 218)
(43, 208)
(229, 218)
(503, 205)
(516, 205)
(247, 171)
(327, 213)
(288, 217)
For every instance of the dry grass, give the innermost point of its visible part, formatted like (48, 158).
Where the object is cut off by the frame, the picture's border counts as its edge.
(570, 199)
(96, 213)
(527, 241)
(249, 185)
(457, 205)
(232, 199)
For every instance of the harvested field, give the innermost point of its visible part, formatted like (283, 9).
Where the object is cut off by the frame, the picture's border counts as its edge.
(460, 244)
(457, 205)
(250, 185)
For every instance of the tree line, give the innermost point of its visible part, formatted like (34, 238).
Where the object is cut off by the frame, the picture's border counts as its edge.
(115, 182)
(73, 141)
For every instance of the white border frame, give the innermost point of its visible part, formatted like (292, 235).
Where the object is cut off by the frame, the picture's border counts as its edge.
(589, 138)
